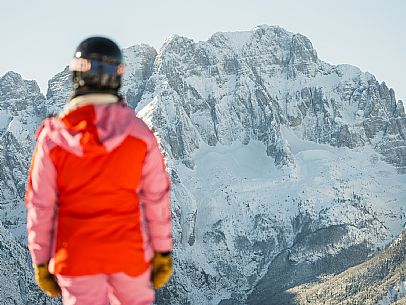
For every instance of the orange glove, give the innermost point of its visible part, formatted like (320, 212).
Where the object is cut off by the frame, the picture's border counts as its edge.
(162, 269)
(46, 281)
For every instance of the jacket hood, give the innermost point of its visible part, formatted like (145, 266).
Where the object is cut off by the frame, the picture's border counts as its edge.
(91, 125)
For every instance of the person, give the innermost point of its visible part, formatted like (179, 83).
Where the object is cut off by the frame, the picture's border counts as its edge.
(97, 198)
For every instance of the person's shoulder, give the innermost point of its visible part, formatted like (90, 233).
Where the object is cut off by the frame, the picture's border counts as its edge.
(48, 127)
(140, 123)
(140, 129)
(45, 126)
(137, 127)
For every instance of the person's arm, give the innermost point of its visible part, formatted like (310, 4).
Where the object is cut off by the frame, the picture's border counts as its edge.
(155, 197)
(41, 202)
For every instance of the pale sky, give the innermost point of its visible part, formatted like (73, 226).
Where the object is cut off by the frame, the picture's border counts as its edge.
(38, 37)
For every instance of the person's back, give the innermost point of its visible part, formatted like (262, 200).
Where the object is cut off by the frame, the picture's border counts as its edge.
(98, 194)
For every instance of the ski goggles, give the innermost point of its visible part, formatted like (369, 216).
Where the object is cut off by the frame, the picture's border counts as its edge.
(95, 66)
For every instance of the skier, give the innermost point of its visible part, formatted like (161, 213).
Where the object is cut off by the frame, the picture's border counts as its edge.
(98, 222)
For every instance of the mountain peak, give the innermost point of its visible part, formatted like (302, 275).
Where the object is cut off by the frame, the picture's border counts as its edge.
(138, 49)
(13, 86)
(176, 41)
(11, 76)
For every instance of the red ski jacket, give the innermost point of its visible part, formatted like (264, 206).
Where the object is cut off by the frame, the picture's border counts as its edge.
(98, 192)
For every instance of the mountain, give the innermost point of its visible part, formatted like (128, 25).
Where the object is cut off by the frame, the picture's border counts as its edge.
(17, 285)
(277, 163)
(381, 280)
(22, 107)
(243, 86)
(283, 167)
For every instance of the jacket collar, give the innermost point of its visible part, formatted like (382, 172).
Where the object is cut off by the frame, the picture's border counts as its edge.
(82, 100)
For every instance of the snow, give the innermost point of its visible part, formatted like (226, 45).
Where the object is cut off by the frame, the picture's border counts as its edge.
(237, 40)
(4, 119)
(232, 185)
(235, 182)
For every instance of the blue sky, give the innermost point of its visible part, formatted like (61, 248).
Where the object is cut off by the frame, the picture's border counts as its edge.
(38, 37)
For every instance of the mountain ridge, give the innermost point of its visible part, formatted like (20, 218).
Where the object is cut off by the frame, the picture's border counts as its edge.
(380, 280)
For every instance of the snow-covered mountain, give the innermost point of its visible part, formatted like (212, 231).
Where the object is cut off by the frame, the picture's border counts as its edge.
(22, 107)
(271, 151)
(283, 167)
(17, 285)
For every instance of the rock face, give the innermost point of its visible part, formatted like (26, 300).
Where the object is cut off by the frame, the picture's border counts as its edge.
(283, 167)
(22, 107)
(17, 285)
(243, 86)
(139, 66)
(59, 90)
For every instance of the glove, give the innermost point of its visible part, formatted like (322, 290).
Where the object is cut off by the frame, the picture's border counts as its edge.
(161, 269)
(46, 281)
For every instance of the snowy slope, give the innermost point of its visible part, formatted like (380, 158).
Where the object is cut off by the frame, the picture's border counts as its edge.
(236, 212)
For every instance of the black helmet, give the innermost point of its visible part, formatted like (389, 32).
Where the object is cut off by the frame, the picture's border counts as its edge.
(97, 67)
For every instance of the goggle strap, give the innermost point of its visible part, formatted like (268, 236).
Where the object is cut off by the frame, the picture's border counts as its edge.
(86, 65)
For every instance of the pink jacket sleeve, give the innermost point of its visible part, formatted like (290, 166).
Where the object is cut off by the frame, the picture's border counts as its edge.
(154, 194)
(41, 202)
